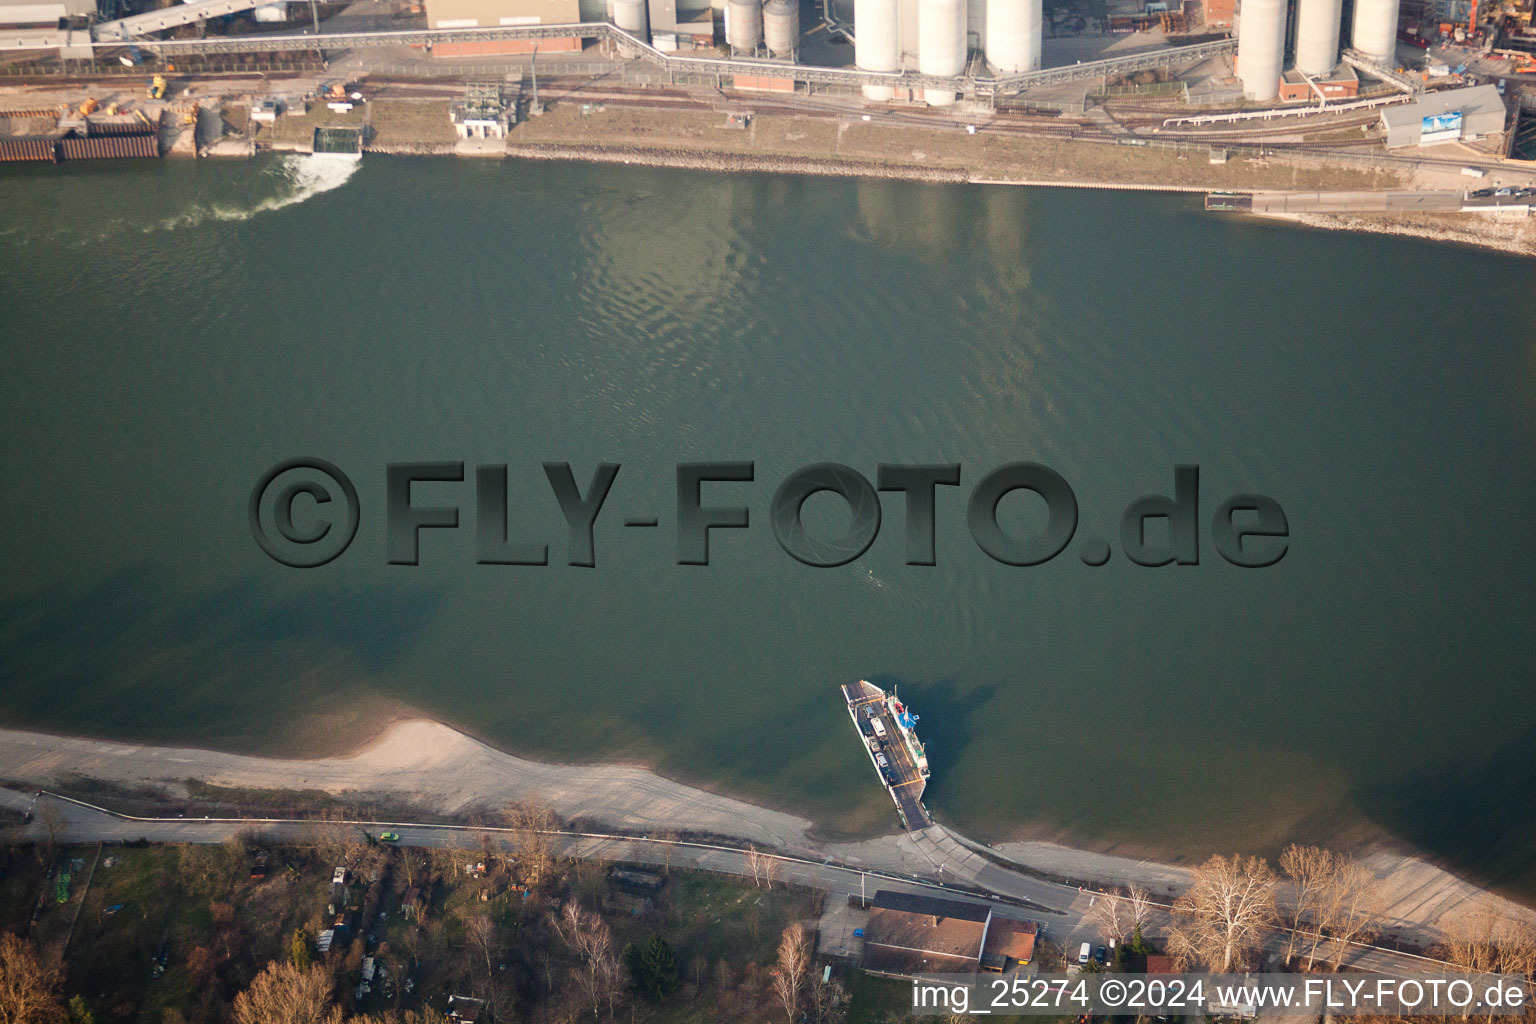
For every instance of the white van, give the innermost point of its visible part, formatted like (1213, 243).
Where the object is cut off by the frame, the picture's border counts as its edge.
(879, 728)
(1084, 953)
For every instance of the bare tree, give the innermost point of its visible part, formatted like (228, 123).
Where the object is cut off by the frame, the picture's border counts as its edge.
(1113, 916)
(583, 931)
(827, 998)
(1352, 908)
(601, 973)
(666, 846)
(284, 994)
(611, 974)
(1226, 911)
(1331, 901)
(1139, 903)
(600, 976)
(485, 942)
(531, 844)
(1307, 870)
(52, 823)
(755, 865)
(1486, 940)
(793, 964)
(28, 991)
(764, 867)
(335, 839)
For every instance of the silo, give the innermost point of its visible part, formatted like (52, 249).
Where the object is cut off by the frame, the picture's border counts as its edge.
(940, 44)
(874, 42)
(781, 27)
(1375, 30)
(1317, 35)
(632, 17)
(1261, 47)
(744, 25)
(1013, 35)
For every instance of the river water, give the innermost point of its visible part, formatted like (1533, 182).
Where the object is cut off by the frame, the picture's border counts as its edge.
(172, 330)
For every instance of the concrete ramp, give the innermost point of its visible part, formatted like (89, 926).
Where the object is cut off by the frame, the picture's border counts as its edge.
(124, 29)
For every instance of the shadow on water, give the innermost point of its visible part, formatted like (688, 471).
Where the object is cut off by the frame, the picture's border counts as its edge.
(1436, 811)
(237, 666)
(946, 725)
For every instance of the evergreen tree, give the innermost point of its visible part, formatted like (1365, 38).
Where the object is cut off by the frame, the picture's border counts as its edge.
(652, 968)
(79, 1011)
(298, 950)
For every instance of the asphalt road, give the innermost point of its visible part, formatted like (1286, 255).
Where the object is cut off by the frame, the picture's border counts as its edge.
(1063, 910)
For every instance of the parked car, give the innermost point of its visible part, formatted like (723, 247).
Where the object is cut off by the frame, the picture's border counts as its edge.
(1101, 955)
(1083, 954)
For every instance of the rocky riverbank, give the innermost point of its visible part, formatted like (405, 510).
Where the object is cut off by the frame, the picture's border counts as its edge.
(1516, 236)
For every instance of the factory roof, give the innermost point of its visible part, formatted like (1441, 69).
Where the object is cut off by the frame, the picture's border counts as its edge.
(33, 12)
(1478, 99)
(1341, 73)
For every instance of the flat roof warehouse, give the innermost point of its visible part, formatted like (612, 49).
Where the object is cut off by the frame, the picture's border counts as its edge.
(1481, 111)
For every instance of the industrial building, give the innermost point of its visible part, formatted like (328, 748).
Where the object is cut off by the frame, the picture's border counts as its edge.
(1449, 116)
(488, 13)
(937, 36)
(34, 24)
(909, 934)
(1340, 84)
(1317, 27)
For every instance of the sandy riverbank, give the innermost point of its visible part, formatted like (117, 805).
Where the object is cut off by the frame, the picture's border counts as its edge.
(422, 763)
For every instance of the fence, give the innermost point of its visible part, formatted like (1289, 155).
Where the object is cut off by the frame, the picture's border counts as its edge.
(193, 65)
(1153, 89)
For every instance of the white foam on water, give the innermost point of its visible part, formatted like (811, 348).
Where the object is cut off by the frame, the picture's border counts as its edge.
(306, 176)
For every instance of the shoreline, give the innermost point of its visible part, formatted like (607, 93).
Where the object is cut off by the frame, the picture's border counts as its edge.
(421, 762)
(633, 129)
(1480, 233)
(1459, 229)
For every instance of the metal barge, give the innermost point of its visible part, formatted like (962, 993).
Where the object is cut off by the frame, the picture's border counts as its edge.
(887, 731)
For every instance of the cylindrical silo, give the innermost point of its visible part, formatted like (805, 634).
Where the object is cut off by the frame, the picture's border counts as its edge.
(1317, 35)
(940, 44)
(1013, 35)
(874, 42)
(1375, 30)
(632, 17)
(744, 25)
(1261, 47)
(781, 27)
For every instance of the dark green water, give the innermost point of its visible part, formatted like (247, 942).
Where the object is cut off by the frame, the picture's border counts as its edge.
(171, 331)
